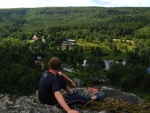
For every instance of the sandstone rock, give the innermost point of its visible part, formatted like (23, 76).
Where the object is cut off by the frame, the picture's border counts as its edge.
(30, 104)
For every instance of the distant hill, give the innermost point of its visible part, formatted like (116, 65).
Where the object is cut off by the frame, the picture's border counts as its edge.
(115, 22)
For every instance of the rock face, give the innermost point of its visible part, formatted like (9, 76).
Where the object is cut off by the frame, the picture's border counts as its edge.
(127, 97)
(30, 104)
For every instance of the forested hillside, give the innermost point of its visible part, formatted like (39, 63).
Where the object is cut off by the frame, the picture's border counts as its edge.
(114, 22)
(101, 33)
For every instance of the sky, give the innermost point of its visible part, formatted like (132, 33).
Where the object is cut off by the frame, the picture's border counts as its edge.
(72, 3)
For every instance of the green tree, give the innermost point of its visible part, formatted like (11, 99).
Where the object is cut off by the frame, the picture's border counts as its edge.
(146, 83)
(126, 83)
(115, 73)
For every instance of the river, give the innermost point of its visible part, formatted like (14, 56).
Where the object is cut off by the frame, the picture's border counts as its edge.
(107, 64)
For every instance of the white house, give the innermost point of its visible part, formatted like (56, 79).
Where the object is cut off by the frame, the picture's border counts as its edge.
(71, 42)
(39, 57)
(68, 68)
(35, 37)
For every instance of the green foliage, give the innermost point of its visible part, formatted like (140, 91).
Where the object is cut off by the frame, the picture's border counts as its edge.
(115, 73)
(126, 82)
(18, 74)
(110, 33)
(101, 22)
(128, 77)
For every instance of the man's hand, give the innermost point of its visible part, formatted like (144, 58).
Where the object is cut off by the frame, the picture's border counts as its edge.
(73, 111)
(60, 73)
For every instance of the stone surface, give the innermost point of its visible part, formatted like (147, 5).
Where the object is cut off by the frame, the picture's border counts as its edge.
(30, 104)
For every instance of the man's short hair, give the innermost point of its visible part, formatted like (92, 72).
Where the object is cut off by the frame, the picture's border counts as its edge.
(55, 63)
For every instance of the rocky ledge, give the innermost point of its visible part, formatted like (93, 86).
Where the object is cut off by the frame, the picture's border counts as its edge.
(30, 104)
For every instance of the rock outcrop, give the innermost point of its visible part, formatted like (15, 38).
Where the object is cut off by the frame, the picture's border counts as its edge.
(30, 104)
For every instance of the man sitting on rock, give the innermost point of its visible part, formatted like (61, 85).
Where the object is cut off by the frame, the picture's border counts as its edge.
(51, 84)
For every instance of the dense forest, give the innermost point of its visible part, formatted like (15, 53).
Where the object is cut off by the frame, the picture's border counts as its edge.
(101, 33)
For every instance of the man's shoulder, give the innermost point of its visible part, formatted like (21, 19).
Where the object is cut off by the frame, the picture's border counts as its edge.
(45, 71)
(49, 75)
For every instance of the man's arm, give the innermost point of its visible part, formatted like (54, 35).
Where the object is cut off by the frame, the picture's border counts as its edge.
(62, 102)
(67, 78)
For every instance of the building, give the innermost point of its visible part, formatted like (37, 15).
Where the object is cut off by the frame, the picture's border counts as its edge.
(68, 68)
(35, 37)
(39, 57)
(71, 42)
(68, 43)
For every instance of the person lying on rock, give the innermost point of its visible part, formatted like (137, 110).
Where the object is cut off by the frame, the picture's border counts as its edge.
(51, 83)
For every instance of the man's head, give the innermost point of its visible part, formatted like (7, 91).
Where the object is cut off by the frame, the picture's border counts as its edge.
(55, 63)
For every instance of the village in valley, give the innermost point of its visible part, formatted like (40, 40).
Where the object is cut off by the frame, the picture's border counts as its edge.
(66, 43)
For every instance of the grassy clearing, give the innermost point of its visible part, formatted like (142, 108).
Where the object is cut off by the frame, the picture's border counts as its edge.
(106, 49)
(30, 41)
